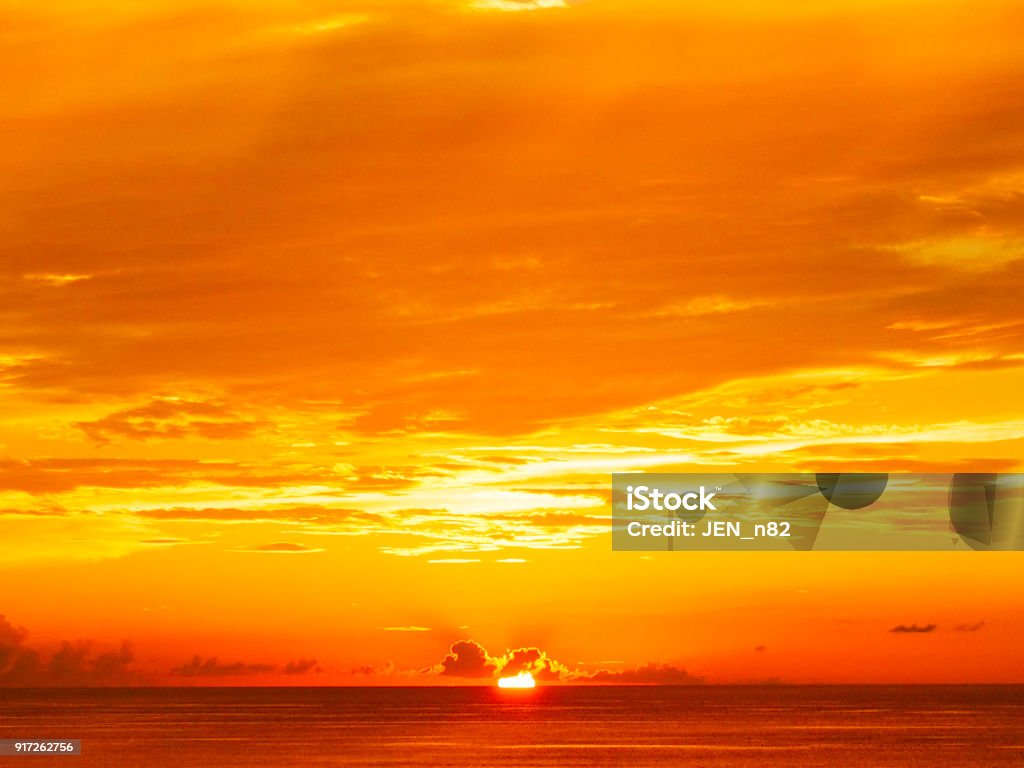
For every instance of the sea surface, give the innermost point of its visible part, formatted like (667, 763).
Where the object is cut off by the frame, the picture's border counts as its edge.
(935, 726)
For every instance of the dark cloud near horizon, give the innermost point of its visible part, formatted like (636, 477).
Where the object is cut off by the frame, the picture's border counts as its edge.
(913, 629)
(647, 674)
(469, 659)
(74, 664)
(214, 667)
(301, 667)
(387, 668)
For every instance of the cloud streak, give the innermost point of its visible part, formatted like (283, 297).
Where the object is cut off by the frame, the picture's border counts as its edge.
(913, 629)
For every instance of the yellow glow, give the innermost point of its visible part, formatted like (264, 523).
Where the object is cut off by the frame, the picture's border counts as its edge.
(522, 680)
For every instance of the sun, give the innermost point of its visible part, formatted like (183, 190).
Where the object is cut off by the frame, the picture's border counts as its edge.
(522, 680)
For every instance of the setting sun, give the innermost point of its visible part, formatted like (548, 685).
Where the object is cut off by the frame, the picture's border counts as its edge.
(522, 680)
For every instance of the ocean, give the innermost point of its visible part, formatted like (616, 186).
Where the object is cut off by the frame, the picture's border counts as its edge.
(711, 726)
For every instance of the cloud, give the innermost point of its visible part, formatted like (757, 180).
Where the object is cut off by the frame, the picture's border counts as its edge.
(11, 639)
(57, 280)
(275, 310)
(170, 419)
(388, 478)
(517, 5)
(318, 517)
(980, 252)
(914, 629)
(73, 664)
(532, 660)
(212, 667)
(283, 548)
(58, 475)
(301, 667)
(647, 674)
(386, 669)
(155, 312)
(469, 659)
(408, 628)
(975, 627)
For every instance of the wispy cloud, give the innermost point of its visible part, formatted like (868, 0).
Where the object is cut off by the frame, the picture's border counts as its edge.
(516, 5)
(283, 548)
(407, 628)
(975, 627)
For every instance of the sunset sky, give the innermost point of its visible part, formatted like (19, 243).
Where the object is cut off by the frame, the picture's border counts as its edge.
(323, 326)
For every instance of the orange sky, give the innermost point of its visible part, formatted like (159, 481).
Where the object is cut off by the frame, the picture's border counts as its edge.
(323, 324)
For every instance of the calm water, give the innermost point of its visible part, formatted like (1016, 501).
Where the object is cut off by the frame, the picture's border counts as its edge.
(699, 726)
